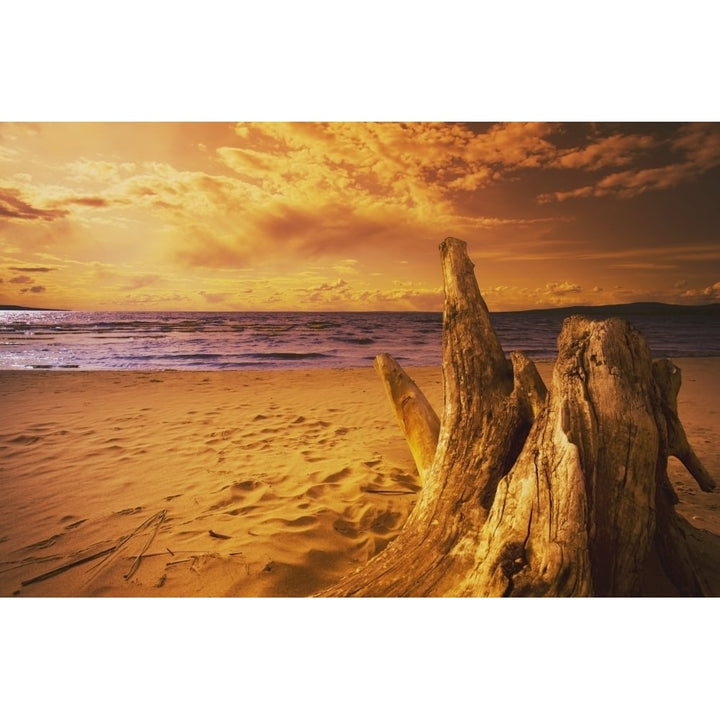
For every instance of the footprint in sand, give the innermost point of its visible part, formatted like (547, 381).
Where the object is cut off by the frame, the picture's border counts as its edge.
(304, 521)
(346, 528)
(337, 476)
(241, 489)
(310, 456)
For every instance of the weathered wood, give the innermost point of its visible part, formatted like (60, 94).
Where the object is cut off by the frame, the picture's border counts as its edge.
(487, 413)
(419, 422)
(542, 493)
(575, 516)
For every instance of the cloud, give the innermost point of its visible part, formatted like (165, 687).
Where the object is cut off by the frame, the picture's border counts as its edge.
(614, 150)
(87, 201)
(99, 171)
(563, 288)
(557, 293)
(140, 281)
(338, 284)
(407, 163)
(170, 299)
(34, 289)
(22, 280)
(643, 266)
(698, 148)
(629, 183)
(492, 223)
(13, 207)
(348, 266)
(701, 144)
(328, 292)
(215, 298)
(294, 202)
(200, 247)
(403, 298)
(299, 192)
(651, 255)
(329, 230)
(7, 154)
(711, 292)
(341, 295)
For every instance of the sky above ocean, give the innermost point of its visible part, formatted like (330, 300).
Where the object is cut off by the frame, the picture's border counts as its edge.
(349, 215)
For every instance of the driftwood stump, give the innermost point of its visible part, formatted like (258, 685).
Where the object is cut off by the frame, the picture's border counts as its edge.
(532, 492)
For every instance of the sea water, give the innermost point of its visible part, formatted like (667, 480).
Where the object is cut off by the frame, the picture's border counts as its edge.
(296, 340)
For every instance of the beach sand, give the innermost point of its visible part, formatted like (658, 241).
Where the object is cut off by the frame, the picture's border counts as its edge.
(255, 484)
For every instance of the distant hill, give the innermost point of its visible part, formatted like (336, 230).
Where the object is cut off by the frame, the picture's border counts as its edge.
(638, 308)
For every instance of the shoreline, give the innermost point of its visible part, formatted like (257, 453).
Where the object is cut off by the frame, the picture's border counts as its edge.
(546, 363)
(272, 482)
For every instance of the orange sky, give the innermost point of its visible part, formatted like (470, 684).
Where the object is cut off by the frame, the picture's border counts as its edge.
(348, 216)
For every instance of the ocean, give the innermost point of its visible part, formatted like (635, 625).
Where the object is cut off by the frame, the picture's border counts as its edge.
(297, 340)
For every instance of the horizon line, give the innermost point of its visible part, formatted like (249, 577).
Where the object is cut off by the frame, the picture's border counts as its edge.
(646, 303)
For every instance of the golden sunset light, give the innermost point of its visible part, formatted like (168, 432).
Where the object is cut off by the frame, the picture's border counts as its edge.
(348, 216)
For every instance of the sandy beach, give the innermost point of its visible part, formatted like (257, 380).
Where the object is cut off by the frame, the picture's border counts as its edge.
(253, 484)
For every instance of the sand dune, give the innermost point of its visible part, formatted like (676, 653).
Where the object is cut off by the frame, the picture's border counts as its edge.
(233, 483)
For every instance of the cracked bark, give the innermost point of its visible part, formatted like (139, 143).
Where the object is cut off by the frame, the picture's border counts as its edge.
(531, 492)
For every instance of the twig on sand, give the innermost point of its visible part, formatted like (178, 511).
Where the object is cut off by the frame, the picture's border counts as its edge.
(179, 562)
(160, 517)
(219, 536)
(157, 517)
(69, 566)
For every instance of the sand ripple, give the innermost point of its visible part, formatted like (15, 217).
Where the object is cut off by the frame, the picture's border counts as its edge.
(225, 483)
